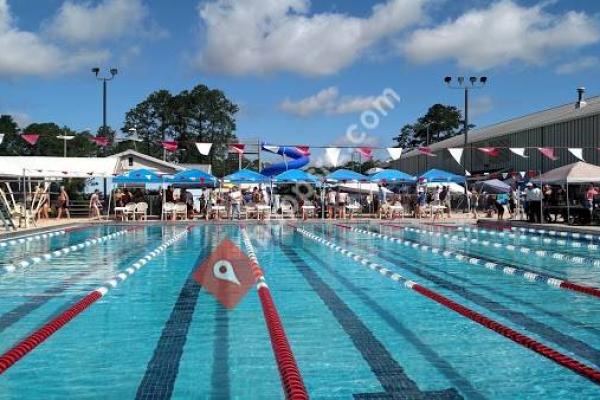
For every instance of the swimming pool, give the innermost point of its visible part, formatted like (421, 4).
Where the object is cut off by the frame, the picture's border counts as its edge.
(356, 331)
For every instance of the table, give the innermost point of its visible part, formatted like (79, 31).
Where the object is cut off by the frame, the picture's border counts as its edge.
(307, 210)
(263, 209)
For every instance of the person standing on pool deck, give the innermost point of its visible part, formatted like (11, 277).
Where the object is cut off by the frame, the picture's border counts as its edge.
(534, 200)
(95, 205)
(331, 198)
(342, 200)
(63, 204)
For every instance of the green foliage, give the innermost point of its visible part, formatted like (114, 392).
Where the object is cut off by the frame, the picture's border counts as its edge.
(441, 121)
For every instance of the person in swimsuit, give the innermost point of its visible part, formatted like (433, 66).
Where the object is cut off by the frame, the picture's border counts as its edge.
(63, 204)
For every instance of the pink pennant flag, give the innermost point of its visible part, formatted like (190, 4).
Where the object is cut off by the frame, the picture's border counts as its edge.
(170, 145)
(490, 151)
(366, 152)
(30, 138)
(548, 152)
(426, 151)
(101, 141)
(305, 150)
(237, 148)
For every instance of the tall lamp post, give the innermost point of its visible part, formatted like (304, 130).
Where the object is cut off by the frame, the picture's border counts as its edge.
(474, 82)
(104, 79)
(65, 139)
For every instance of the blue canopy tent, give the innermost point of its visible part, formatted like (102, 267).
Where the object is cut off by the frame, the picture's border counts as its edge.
(246, 176)
(193, 177)
(295, 176)
(437, 175)
(141, 175)
(392, 175)
(345, 175)
(493, 186)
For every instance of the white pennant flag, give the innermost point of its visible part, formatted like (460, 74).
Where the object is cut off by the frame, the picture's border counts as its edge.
(456, 153)
(522, 173)
(577, 152)
(520, 151)
(395, 152)
(204, 148)
(332, 153)
(1, 137)
(467, 173)
(504, 175)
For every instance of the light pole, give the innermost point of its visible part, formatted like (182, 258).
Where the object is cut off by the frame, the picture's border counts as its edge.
(474, 82)
(65, 139)
(104, 79)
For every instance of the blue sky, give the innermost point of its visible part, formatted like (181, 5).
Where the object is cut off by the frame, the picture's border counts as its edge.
(302, 71)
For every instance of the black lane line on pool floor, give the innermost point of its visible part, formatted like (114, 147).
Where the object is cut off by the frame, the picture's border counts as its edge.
(159, 380)
(220, 373)
(387, 370)
(443, 366)
(567, 342)
(490, 289)
(34, 302)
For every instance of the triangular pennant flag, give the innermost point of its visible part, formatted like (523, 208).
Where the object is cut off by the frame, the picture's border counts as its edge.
(577, 152)
(394, 152)
(520, 151)
(366, 152)
(490, 151)
(1, 137)
(467, 173)
(332, 154)
(522, 173)
(237, 148)
(548, 152)
(204, 148)
(456, 153)
(170, 145)
(504, 175)
(30, 138)
(271, 148)
(100, 140)
(305, 150)
(426, 151)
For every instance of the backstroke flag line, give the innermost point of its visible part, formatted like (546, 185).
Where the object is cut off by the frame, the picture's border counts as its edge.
(1, 137)
(520, 151)
(394, 152)
(204, 148)
(577, 152)
(456, 153)
(332, 154)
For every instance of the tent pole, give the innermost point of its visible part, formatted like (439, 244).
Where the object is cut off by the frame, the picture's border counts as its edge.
(109, 200)
(24, 190)
(568, 204)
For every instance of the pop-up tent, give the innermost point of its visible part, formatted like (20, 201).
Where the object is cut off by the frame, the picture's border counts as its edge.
(345, 175)
(246, 176)
(141, 175)
(192, 177)
(392, 176)
(493, 186)
(295, 176)
(58, 167)
(438, 175)
(579, 172)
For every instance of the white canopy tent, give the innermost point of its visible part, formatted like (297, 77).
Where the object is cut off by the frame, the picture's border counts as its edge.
(58, 167)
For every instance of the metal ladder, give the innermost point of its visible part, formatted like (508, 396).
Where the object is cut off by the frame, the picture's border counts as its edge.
(5, 215)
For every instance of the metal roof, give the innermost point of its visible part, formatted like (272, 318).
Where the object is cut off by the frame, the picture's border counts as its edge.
(538, 119)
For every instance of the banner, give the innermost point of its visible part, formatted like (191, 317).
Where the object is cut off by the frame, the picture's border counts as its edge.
(101, 141)
(394, 152)
(170, 145)
(237, 148)
(490, 151)
(332, 154)
(520, 151)
(366, 152)
(204, 148)
(30, 138)
(577, 152)
(426, 151)
(548, 152)
(456, 153)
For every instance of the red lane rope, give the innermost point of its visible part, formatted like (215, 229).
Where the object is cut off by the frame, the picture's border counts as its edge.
(289, 372)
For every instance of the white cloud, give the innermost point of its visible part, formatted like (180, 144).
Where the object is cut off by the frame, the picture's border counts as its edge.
(328, 101)
(502, 33)
(578, 65)
(109, 19)
(263, 36)
(481, 105)
(26, 53)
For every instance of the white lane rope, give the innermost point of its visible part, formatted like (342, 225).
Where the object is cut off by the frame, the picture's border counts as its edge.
(31, 238)
(573, 235)
(252, 256)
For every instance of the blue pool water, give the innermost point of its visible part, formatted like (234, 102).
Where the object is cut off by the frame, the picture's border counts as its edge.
(354, 332)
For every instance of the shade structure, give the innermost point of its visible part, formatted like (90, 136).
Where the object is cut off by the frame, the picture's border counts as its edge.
(295, 176)
(579, 172)
(193, 177)
(246, 176)
(345, 175)
(493, 186)
(392, 175)
(141, 175)
(58, 167)
(438, 175)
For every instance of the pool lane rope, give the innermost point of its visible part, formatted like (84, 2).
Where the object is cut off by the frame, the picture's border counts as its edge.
(513, 248)
(31, 238)
(62, 252)
(492, 266)
(531, 238)
(517, 337)
(289, 372)
(25, 346)
(572, 235)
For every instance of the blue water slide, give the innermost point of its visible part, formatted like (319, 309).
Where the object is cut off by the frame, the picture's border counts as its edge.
(294, 158)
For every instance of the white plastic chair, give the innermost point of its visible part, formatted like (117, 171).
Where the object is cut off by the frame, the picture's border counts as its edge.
(180, 210)
(167, 209)
(129, 210)
(287, 209)
(141, 210)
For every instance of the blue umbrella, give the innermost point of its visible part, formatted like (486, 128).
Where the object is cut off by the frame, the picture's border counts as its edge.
(141, 175)
(437, 175)
(295, 176)
(345, 175)
(193, 176)
(246, 176)
(393, 175)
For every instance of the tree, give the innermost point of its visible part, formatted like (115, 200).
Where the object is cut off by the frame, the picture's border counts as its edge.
(10, 129)
(439, 123)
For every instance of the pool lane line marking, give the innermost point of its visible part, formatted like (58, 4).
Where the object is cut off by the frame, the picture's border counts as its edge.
(573, 235)
(62, 252)
(219, 379)
(532, 238)
(391, 375)
(26, 345)
(31, 238)
(517, 337)
(291, 378)
(531, 276)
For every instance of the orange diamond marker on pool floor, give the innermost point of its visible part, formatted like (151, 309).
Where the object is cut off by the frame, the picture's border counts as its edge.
(226, 274)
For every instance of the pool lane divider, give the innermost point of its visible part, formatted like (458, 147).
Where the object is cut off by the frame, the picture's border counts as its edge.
(467, 258)
(532, 238)
(289, 372)
(31, 238)
(517, 337)
(572, 235)
(64, 251)
(26, 345)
